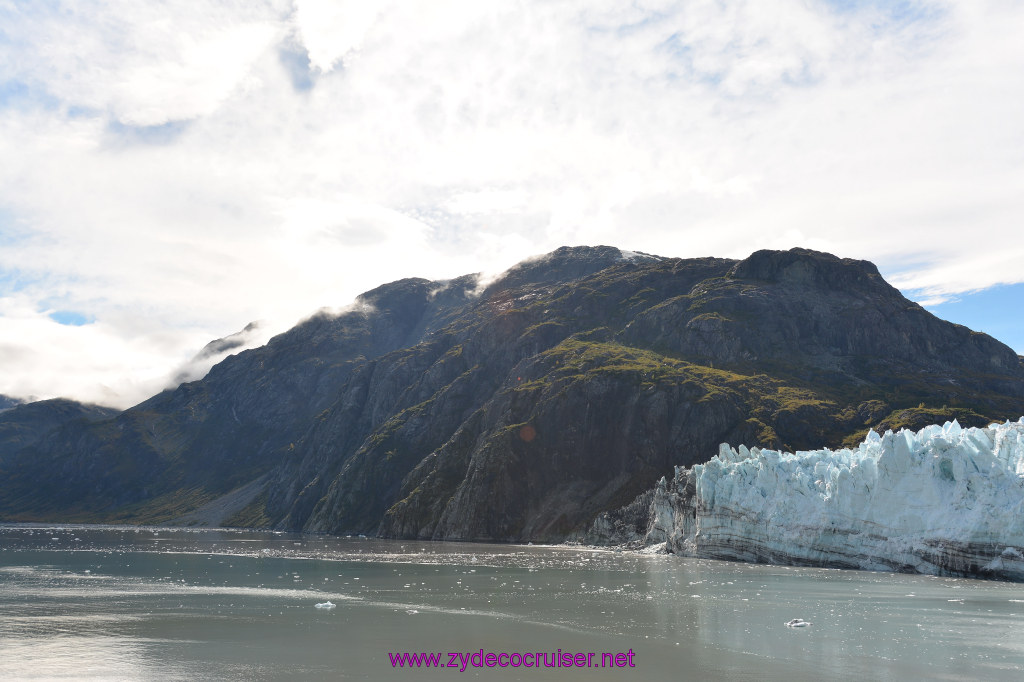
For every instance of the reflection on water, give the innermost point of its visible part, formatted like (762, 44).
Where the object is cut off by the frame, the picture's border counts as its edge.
(128, 603)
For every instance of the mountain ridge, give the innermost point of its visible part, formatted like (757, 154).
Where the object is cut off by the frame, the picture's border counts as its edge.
(519, 409)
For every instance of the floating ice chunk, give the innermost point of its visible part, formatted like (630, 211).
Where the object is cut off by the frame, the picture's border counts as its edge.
(326, 605)
(797, 623)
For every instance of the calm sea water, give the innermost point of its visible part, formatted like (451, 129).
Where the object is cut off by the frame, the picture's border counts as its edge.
(124, 603)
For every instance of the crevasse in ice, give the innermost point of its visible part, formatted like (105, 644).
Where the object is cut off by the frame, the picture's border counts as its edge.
(945, 500)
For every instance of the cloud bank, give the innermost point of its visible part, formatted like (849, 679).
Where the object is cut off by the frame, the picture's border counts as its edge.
(172, 172)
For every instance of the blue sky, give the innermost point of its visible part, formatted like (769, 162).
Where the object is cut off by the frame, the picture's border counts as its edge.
(69, 317)
(997, 311)
(174, 171)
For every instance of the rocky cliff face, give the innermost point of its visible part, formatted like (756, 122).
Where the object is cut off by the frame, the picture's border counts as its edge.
(521, 410)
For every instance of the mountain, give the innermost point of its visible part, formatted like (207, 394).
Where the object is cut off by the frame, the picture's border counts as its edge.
(215, 350)
(522, 408)
(23, 425)
(7, 402)
(23, 428)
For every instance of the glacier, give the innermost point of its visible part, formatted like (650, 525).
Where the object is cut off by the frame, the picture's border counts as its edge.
(943, 501)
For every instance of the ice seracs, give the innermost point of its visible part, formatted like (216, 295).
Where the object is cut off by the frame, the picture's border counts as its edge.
(944, 501)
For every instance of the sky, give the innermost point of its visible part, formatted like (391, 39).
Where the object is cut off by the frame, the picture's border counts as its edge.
(170, 172)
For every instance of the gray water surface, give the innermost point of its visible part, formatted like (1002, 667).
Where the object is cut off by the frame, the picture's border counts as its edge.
(81, 602)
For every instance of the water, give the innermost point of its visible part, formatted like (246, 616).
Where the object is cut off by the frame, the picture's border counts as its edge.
(124, 603)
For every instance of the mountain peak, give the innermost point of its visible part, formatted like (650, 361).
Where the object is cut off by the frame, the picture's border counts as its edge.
(397, 293)
(805, 266)
(564, 264)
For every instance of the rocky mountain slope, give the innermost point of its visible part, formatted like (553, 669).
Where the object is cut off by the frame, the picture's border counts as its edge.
(23, 425)
(522, 409)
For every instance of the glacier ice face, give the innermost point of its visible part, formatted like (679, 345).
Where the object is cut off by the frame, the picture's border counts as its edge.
(943, 501)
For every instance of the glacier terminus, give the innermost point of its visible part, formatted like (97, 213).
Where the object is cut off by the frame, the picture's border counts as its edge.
(944, 500)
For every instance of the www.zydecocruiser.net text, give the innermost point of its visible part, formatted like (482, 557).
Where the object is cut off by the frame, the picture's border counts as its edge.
(462, 660)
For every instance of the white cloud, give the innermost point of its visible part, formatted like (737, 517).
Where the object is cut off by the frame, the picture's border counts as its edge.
(95, 362)
(165, 175)
(332, 29)
(194, 82)
(144, 64)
